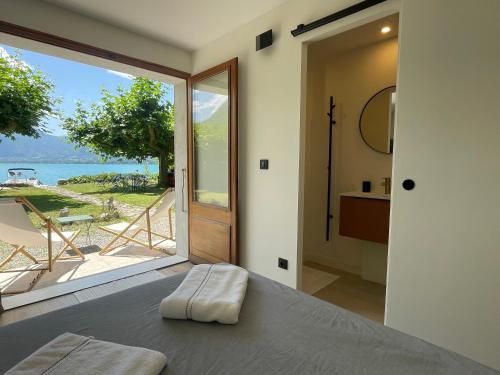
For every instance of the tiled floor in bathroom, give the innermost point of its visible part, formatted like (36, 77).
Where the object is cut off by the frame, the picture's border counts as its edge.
(353, 293)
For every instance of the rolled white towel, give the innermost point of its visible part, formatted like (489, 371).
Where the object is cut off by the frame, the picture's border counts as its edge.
(208, 293)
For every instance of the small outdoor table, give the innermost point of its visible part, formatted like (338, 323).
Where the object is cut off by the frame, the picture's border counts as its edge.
(85, 219)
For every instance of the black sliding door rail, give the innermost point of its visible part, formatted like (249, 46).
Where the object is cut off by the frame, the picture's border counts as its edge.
(301, 29)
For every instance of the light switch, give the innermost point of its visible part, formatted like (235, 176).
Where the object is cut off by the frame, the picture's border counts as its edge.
(264, 164)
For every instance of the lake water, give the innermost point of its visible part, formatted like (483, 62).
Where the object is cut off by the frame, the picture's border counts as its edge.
(48, 174)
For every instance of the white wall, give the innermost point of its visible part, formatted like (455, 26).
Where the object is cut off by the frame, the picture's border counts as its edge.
(270, 110)
(444, 251)
(352, 77)
(51, 19)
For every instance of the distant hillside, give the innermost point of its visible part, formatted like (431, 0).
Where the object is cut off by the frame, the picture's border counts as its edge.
(46, 149)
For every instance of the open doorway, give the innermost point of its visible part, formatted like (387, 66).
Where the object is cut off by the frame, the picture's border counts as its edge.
(352, 77)
(93, 170)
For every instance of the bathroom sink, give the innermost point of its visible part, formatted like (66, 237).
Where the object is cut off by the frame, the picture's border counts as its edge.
(370, 195)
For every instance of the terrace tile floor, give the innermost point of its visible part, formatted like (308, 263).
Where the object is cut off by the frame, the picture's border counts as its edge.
(66, 270)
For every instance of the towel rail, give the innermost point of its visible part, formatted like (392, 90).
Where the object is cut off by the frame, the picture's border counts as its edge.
(332, 123)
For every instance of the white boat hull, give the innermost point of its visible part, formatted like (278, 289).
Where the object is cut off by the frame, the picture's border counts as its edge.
(22, 181)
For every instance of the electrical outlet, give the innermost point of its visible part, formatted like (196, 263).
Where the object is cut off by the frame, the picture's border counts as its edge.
(283, 263)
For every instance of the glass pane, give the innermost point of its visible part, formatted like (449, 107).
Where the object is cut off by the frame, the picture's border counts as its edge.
(211, 134)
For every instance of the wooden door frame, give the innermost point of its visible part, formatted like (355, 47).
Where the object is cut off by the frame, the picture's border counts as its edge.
(72, 45)
(232, 67)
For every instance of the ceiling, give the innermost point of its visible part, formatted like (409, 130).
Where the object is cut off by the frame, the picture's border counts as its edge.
(189, 24)
(357, 37)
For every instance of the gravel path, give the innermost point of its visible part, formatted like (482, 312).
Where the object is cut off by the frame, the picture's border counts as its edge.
(124, 209)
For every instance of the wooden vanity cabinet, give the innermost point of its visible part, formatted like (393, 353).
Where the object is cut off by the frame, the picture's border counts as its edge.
(365, 218)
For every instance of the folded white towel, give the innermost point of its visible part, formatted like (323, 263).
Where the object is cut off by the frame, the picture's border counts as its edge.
(79, 355)
(208, 293)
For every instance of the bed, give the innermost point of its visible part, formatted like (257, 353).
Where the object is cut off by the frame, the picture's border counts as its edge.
(281, 331)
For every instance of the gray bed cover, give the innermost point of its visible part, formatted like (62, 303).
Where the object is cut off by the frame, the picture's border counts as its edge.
(281, 331)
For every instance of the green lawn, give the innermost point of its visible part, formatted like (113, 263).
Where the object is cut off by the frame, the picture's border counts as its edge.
(50, 203)
(143, 197)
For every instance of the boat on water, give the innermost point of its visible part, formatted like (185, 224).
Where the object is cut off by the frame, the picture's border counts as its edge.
(21, 177)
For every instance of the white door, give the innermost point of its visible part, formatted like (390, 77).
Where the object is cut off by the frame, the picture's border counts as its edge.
(444, 247)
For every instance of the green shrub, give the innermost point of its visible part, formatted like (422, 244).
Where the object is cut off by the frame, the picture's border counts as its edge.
(108, 178)
(85, 179)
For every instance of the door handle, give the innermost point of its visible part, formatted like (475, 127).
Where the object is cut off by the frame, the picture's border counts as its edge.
(408, 184)
(182, 191)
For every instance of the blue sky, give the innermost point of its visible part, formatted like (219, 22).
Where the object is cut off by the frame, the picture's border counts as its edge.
(74, 81)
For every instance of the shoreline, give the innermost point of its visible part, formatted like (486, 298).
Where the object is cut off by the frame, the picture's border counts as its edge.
(73, 162)
(50, 173)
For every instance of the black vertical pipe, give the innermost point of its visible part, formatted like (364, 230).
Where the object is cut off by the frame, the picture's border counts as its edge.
(329, 215)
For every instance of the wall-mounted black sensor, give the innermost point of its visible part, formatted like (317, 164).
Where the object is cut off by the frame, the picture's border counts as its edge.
(283, 263)
(264, 40)
(264, 164)
(408, 184)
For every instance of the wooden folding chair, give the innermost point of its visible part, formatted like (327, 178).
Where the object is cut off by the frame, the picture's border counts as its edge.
(17, 230)
(121, 230)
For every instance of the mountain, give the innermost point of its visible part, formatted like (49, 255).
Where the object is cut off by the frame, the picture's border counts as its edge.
(46, 149)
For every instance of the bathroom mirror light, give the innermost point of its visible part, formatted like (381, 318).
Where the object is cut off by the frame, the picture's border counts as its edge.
(376, 123)
(385, 29)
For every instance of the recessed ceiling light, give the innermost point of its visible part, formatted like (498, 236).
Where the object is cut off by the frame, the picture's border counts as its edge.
(385, 29)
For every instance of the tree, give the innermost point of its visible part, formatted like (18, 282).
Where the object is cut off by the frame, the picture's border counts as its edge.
(137, 123)
(25, 98)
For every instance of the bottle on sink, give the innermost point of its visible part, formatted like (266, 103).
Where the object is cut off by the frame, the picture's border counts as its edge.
(366, 187)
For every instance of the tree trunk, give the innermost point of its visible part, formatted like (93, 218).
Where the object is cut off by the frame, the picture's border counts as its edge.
(163, 171)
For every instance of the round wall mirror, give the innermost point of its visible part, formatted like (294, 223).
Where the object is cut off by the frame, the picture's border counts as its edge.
(376, 123)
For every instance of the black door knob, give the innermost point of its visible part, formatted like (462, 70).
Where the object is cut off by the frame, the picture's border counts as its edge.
(408, 184)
